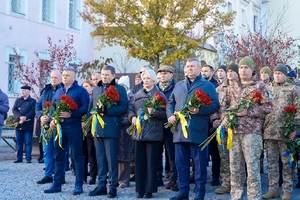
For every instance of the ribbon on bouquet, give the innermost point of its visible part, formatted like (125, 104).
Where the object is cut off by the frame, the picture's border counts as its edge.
(290, 157)
(183, 122)
(221, 136)
(58, 134)
(96, 118)
(229, 137)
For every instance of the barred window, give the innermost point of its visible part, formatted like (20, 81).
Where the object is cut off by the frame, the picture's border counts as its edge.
(73, 14)
(18, 6)
(11, 71)
(48, 10)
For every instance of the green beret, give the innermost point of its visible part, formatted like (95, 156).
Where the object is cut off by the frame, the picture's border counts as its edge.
(247, 61)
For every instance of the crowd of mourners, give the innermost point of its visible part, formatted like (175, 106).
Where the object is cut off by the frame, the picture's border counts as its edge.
(232, 116)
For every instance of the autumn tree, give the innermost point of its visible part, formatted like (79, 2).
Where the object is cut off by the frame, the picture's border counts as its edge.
(94, 66)
(155, 31)
(265, 51)
(37, 73)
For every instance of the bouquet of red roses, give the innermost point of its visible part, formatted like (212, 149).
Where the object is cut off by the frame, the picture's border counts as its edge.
(66, 104)
(292, 146)
(45, 112)
(232, 120)
(105, 101)
(198, 100)
(157, 102)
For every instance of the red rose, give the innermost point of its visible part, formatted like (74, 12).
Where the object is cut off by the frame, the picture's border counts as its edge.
(112, 93)
(257, 96)
(47, 104)
(290, 109)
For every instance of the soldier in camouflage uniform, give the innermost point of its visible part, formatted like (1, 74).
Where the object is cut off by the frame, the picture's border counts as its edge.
(247, 137)
(284, 94)
(232, 79)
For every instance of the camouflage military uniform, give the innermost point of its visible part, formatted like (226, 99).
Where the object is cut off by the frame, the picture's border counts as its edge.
(224, 153)
(247, 140)
(283, 94)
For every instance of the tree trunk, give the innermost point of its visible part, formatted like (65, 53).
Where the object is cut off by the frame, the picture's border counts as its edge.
(156, 63)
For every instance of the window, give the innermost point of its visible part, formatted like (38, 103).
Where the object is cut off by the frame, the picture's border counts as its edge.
(73, 14)
(255, 23)
(18, 6)
(11, 70)
(243, 17)
(48, 11)
(229, 6)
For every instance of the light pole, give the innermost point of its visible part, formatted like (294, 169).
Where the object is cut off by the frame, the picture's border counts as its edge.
(222, 44)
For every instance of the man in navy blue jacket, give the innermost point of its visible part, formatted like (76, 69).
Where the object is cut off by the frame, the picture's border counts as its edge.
(71, 131)
(48, 148)
(197, 129)
(4, 107)
(108, 136)
(23, 111)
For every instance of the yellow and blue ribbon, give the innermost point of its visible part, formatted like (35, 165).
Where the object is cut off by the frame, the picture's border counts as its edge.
(229, 138)
(96, 118)
(58, 134)
(290, 157)
(184, 123)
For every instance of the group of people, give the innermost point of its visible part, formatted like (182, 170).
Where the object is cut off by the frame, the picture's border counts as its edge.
(109, 149)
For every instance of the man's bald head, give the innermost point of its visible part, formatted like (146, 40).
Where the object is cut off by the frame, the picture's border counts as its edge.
(55, 77)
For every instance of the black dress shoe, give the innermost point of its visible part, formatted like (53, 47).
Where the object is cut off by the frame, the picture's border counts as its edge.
(92, 181)
(175, 188)
(18, 161)
(78, 190)
(112, 193)
(180, 197)
(160, 182)
(52, 190)
(41, 161)
(28, 161)
(98, 191)
(45, 179)
(199, 197)
(140, 195)
(132, 179)
(63, 181)
(148, 195)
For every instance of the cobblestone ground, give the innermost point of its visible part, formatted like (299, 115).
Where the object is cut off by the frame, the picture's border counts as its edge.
(18, 181)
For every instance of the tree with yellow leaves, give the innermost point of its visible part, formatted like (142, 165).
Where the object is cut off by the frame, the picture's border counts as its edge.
(158, 31)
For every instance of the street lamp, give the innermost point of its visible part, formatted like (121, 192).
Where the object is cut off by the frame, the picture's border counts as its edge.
(221, 44)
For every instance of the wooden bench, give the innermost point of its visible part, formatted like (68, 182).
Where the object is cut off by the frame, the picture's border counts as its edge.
(5, 138)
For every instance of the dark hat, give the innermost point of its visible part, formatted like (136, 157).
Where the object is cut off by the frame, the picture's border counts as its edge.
(166, 68)
(266, 70)
(222, 67)
(281, 68)
(247, 61)
(292, 74)
(234, 67)
(26, 87)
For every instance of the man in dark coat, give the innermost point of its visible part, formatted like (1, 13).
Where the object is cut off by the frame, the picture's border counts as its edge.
(71, 131)
(166, 85)
(107, 137)
(197, 129)
(4, 108)
(48, 148)
(23, 111)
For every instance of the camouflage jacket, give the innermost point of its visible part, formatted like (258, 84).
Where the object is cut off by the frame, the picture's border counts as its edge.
(285, 94)
(252, 123)
(221, 90)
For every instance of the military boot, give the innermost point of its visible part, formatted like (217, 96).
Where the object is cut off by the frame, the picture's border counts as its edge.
(286, 196)
(271, 194)
(222, 190)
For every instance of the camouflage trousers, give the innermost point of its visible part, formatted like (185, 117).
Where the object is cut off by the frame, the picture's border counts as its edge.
(224, 167)
(274, 148)
(245, 148)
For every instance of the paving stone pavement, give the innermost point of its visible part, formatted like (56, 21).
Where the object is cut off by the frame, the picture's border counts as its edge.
(18, 181)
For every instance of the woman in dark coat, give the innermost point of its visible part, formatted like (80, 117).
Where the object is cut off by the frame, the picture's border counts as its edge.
(147, 142)
(125, 143)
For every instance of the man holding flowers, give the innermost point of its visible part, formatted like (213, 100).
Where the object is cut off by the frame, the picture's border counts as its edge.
(70, 103)
(192, 127)
(247, 105)
(42, 112)
(108, 104)
(277, 132)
